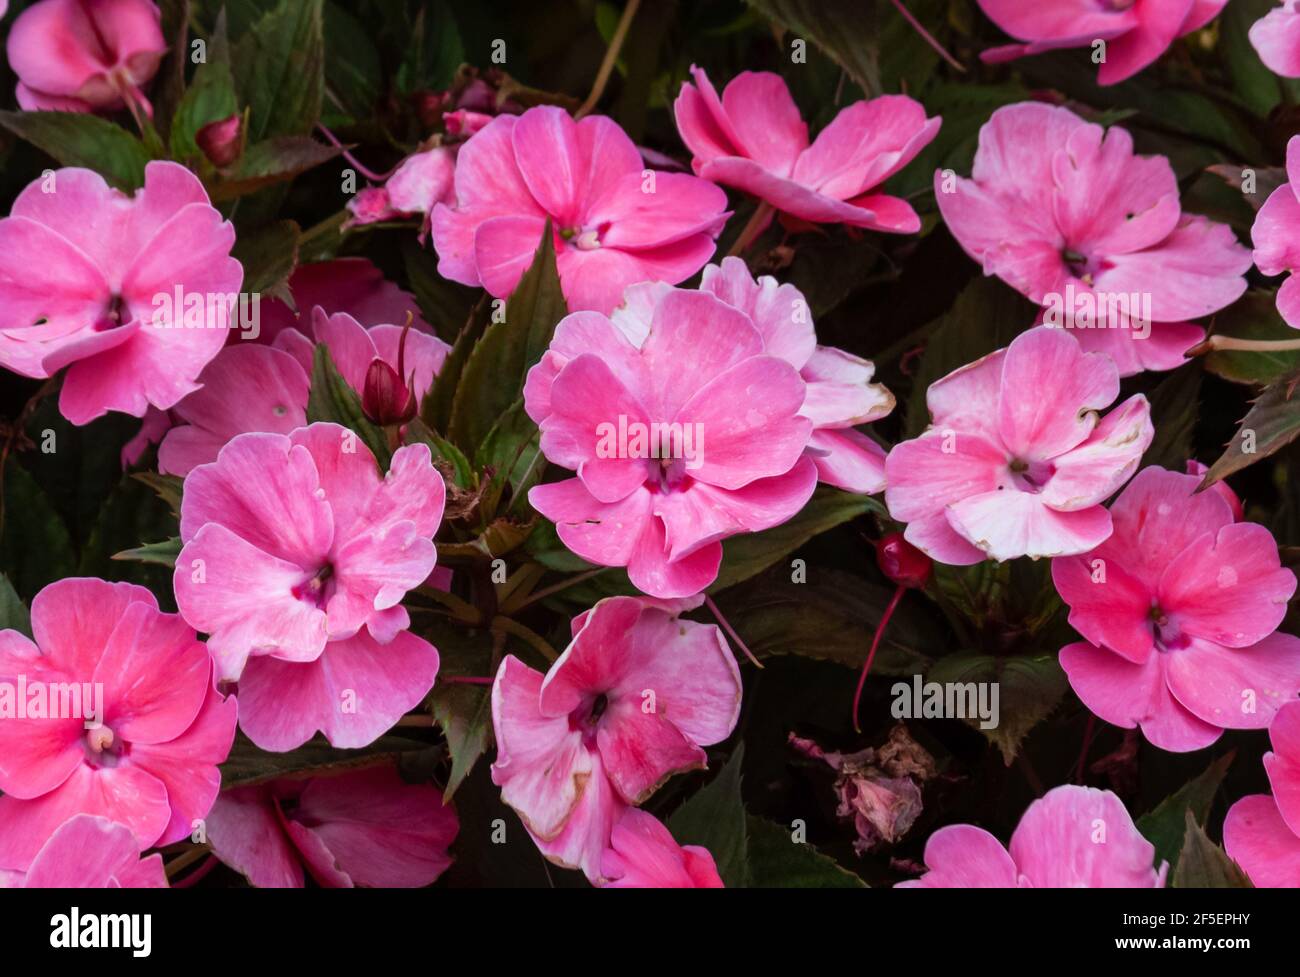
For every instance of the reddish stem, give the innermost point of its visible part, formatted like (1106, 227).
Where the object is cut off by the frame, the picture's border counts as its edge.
(871, 655)
(199, 873)
(468, 680)
(926, 35)
(726, 626)
(1083, 754)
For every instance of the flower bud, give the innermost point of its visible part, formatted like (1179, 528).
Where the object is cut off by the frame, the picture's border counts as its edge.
(222, 142)
(386, 398)
(902, 562)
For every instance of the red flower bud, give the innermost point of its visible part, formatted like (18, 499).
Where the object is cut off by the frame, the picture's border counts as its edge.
(386, 398)
(902, 562)
(223, 141)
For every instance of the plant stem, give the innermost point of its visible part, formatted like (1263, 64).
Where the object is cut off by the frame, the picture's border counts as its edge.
(757, 224)
(568, 582)
(532, 638)
(871, 655)
(726, 626)
(1246, 345)
(186, 859)
(1083, 753)
(611, 58)
(929, 39)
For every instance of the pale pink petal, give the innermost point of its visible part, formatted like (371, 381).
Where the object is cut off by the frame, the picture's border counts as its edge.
(1257, 839)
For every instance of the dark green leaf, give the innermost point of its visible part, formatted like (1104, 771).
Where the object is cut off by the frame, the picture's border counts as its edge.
(1029, 688)
(272, 161)
(210, 96)
(35, 548)
(279, 65)
(1272, 423)
(1166, 825)
(269, 256)
(777, 861)
(1174, 407)
(80, 139)
(847, 30)
(465, 714)
(1203, 864)
(744, 556)
(248, 765)
(163, 553)
(14, 615)
(494, 373)
(714, 817)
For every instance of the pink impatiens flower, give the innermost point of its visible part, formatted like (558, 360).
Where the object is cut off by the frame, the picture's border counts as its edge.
(90, 277)
(1065, 213)
(360, 828)
(89, 852)
(838, 394)
(753, 139)
(1275, 236)
(1262, 833)
(1179, 608)
(295, 540)
(1135, 32)
(1070, 838)
(1017, 459)
(643, 855)
(630, 702)
(250, 387)
(146, 756)
(85, 55)
(614, 221)
(418, 183)
(1276, 38)
(683, 429)
(352, 285)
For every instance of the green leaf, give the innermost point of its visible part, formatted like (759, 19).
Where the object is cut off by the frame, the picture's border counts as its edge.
(1252, 81)
(513, 450)
(833, 617)
(14, 615)
(353, 69)
(847, 30)
(777, 861)
(452, 458)
(35, 547)
(166, 487)
(1029, 687)
(1272, 423)
(494, 373)
(1175, 403)
(269, 255)
(81, 139)
(248, 765)
(279, 65)
(436, 408)
(444, 304)
(1254, 316)
(744, 556)
(714, 817)
(163, 553)
(465, 714)
(1203, 864)
(331, 399)
(434, 52)
(271, 161)
(1165, 825)
(986, 317)
(210, 96)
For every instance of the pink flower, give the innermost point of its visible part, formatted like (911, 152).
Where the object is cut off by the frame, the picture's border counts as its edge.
(85, 55)
(255, 388)
(614, 221)
(293, 541)
(145, 756)
(88, 852)
(630, 702)
(683, 430)
(351, 285)
(89, 277)
(1136, 32)
(1274, 236)
(1178, 609)
(1262, 833)
(420, 181)
(753, 139)
(1070, 838)
(360, 828)
(839, 394)
(643, 855)
(1017, 459)
(1276, 37)
(1066, 214)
